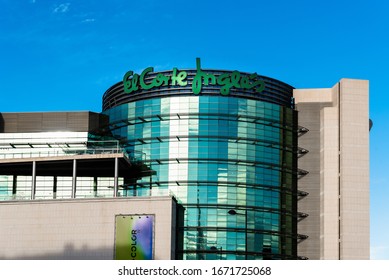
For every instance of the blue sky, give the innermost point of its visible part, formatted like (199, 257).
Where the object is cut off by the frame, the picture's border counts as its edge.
(63, 55)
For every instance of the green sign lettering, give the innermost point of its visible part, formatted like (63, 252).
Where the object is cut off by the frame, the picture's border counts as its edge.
(179, 78)
(142, 83)
(200, 76)
(133, 82)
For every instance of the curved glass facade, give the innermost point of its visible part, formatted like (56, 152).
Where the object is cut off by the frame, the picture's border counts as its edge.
(229, 160)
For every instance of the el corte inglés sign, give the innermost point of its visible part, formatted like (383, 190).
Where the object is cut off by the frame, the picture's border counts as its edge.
(133, 82)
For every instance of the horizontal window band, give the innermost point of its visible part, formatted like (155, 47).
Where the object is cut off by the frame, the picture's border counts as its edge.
(231, 184)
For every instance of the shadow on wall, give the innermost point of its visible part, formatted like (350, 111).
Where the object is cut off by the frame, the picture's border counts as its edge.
(1, 123)
(69, 253)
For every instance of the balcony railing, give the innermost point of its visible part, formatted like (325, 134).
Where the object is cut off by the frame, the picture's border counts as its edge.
(29, 150)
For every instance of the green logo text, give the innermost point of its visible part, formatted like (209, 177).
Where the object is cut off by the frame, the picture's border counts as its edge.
(133, 82)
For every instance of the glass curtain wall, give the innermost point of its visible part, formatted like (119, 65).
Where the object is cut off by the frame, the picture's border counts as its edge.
(229, 161)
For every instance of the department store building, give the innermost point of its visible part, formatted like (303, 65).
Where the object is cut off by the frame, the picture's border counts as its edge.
(195, 164)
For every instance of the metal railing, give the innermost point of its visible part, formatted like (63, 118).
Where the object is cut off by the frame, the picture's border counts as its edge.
(71, 149)
(122, 193)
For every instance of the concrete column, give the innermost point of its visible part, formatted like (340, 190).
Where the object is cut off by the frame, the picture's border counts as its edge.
(116, 178)
(55, 187)
(14, 186)
(74, 180)
(94, 186)
(33, 184)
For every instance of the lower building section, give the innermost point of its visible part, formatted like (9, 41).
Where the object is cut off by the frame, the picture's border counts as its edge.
(90, 229)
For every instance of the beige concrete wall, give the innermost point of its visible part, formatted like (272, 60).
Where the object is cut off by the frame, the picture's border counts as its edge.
(354, 169)
(329, 179)
(78, 228)
(338, 162)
